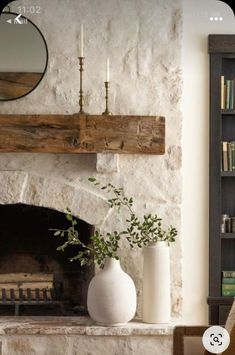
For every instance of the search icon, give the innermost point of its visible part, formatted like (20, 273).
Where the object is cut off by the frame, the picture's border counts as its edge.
(216, 339)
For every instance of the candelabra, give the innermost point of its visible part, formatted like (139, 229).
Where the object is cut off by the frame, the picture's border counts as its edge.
(81, 98)
(107, 112)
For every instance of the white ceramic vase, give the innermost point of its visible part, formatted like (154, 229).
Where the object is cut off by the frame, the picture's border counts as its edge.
(156, 283)
(111, 299)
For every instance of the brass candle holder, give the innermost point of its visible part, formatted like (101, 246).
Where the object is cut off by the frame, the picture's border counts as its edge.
(81, 98)
(106, 112)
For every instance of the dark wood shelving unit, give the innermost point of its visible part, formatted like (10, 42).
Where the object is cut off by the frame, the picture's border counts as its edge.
(228, 112)
(222, 183)
(228, 173)
(227, 235)
(221, 300)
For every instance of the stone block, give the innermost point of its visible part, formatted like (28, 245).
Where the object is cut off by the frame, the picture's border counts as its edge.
(80, 336)
(12, 184)
(107, 163)
(89, 206)
(50, 193)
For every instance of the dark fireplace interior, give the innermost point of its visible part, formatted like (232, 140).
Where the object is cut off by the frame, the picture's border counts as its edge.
(27, 246)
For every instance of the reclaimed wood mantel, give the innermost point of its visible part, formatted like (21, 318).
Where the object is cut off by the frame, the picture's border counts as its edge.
(82, 134)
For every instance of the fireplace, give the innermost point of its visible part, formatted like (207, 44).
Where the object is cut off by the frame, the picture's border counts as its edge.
(28, 252)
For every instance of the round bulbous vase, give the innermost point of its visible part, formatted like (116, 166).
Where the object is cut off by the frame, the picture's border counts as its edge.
(111, 299)
(156, 283)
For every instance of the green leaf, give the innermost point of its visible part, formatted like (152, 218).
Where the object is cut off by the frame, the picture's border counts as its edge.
(92, 179)
(83, 262)
(69, 217)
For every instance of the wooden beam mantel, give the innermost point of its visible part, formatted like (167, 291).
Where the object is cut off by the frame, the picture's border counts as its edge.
(82, 134)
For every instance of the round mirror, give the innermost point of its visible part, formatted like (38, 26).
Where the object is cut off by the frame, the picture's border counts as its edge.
(23, 56)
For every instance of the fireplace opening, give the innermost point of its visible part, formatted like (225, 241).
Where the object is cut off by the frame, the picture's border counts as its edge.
(35, 278)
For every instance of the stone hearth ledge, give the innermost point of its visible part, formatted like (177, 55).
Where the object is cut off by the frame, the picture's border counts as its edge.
(78, 326)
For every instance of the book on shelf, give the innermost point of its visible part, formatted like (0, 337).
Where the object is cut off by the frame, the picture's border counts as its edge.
(225, 155)
(228, 283)
(231, 95)
(228, 290)
(229, 280)
(228, 274)
(233, 155)
(222, 93)
(228, 293)
(228, 156)
(227, 106)
(227, 93)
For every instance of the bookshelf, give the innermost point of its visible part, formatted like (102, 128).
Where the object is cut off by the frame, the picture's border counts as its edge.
(222, 183)
(227, 235)
(227, 112)
(227, 173)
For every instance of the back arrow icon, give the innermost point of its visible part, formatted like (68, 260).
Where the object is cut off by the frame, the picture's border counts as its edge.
(17, 19)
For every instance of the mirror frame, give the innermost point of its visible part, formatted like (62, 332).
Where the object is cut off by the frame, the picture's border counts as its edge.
(47, 56)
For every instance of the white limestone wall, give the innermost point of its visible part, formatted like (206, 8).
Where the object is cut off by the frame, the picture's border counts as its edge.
(85, 345)
(80, 336)
(143, 39)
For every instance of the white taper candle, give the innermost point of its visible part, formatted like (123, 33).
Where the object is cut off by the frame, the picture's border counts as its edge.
(82, 41)
(107, 69)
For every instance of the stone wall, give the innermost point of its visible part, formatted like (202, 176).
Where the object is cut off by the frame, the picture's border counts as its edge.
(79, 336)
(83, 345)
(142, 38)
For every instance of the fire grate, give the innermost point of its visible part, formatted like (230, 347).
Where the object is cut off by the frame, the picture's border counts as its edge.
(29, 297)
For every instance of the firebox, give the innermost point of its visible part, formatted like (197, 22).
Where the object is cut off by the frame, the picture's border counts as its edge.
(35, 278)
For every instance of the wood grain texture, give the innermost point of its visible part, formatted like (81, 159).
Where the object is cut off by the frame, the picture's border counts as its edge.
(17, 281)
(14, 85)
(24, 277)
(221, 250)
(82, 134)
(221, 43)
(181, 333)
(32, 285)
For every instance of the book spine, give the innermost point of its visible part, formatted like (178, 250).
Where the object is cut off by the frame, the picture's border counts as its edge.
(226, 287)
(230, 161)
(231, 95)
(228, 274)
(221, 157)
(228, 290)
(225, 156)
(229, 280)
(228, 293)
(222, 93)
(225, 91)
(233, 155)
(227, 94)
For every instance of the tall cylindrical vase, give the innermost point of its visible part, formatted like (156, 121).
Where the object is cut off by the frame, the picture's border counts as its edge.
(156, 283)
(111, 299)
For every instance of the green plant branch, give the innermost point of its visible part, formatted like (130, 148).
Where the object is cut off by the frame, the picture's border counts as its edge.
(138, 233)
